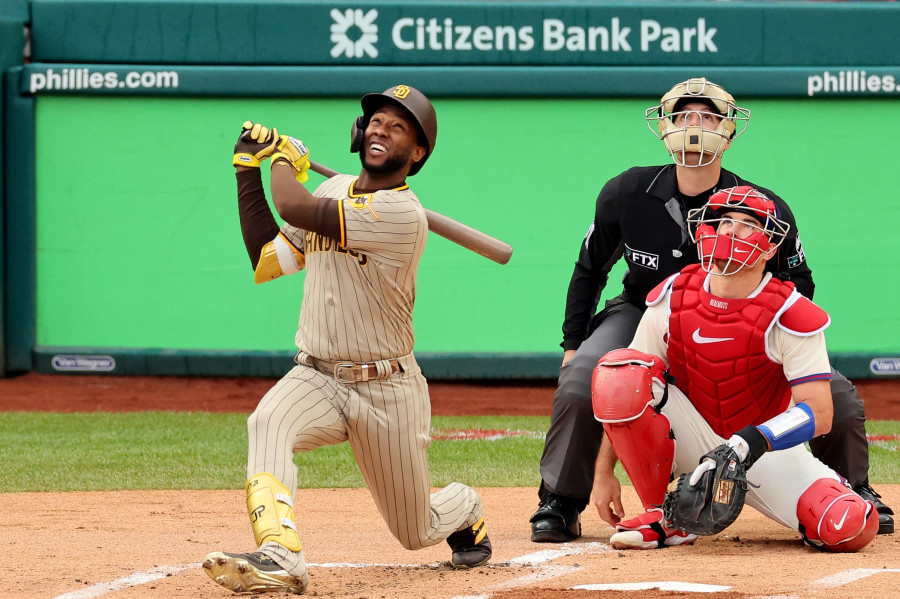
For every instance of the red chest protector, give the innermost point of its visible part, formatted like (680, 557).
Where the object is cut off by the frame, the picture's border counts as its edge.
(717, 352)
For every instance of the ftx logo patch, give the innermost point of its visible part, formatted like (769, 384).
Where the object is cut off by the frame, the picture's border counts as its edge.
(354, 33)
(798, 258)
(644, 259)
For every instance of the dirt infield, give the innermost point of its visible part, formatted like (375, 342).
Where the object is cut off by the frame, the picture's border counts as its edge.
(93, 393)
(148, 545)
(80, 545)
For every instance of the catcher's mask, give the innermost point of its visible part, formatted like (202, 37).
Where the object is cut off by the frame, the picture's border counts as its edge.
(696, 134)
(415, 103)
(739, 242)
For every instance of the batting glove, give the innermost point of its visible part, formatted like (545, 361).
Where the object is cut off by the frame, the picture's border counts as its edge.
(292, 151)
(255, 144)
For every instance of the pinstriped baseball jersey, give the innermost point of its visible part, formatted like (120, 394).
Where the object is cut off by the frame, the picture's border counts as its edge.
(357, 306)
(358, 296)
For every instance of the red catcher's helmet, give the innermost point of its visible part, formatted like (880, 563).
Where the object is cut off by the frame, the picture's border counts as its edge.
(739, 249)
(415, 103)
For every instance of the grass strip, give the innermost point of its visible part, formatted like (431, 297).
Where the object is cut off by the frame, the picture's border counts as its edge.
(199, 450)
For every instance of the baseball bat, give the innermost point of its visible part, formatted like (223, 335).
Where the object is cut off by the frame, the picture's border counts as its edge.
(452, 230)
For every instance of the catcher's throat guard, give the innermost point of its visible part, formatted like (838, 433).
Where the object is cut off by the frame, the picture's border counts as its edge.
(271, 510)
(622, 392)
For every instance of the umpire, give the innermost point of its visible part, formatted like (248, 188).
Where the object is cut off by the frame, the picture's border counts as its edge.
(641, 216)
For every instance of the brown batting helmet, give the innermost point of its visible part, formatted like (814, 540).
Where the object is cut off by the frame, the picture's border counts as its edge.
(414, 102)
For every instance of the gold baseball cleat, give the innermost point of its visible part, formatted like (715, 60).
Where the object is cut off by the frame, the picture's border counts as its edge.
(252, 573)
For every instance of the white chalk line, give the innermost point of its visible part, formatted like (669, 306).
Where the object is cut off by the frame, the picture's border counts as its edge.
(544, 572)
(433, 566)
(835, 580)
(668, 585)
(848, 576)
(537, 559)
(137, 579)
(532, 559)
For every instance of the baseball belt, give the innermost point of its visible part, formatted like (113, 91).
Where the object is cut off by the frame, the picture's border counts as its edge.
(355, 372)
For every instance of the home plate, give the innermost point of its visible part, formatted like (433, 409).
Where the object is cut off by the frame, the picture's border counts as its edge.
(689, 587)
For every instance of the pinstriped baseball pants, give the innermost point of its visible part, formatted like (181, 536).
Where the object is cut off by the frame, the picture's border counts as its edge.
(387, 423)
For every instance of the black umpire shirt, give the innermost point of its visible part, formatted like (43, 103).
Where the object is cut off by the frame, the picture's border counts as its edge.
(641, 215)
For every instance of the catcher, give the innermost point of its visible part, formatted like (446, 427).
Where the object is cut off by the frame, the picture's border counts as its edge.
(747, 384)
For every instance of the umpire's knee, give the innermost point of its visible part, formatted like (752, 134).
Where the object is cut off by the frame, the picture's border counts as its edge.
(573, 394)
(849, 410)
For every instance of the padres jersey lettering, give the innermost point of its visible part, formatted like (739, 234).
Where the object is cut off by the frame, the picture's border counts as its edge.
(318, 243)
(358, 297)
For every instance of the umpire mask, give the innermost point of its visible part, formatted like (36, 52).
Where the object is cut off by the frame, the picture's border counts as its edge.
(690, 131)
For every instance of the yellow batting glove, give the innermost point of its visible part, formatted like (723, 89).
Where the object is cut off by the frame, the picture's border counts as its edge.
(291, 150)
(255, 144)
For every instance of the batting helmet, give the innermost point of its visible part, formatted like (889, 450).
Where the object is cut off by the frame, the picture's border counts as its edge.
(414, 102)
(739, 248)
(679, 139)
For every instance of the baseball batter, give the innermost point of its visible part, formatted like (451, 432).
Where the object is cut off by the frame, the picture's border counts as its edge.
(640, 217)
(747, 355)
(360, 240)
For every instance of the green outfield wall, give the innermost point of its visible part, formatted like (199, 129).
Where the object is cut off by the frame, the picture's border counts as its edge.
(138, 241)
(122, 245)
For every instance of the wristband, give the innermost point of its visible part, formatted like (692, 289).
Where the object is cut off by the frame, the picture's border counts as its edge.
(756, 445)
(245, 159)
(301, 175)
(790, 428)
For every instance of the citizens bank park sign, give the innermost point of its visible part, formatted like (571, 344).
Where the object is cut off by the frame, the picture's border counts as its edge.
(495, 33)
(462, 48)
(360, 34)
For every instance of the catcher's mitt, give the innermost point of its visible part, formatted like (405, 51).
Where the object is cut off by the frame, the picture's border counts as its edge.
(714, 501)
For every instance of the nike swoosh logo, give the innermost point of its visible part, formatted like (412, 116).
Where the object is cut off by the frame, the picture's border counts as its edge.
(740, 251)
(698, 338)
(840, 525)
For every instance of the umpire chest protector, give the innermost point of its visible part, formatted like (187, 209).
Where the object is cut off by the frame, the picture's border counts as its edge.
(717, 352)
